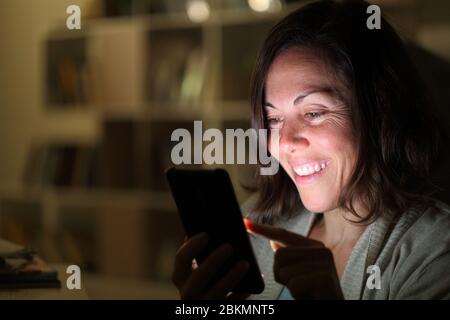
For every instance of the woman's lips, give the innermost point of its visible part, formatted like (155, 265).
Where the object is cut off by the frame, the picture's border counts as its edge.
(310, 171)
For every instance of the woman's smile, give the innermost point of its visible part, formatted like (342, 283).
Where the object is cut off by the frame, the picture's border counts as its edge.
(310, 171)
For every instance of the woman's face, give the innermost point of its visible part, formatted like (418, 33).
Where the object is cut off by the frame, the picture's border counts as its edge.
(316, 145)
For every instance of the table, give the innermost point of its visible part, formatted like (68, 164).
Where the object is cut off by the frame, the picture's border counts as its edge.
(48, 293)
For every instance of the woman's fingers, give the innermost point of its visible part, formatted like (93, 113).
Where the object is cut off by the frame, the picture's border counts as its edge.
(315, 286)
(288, 255)
(304, 265)
(276, 245)
(200, 278)
(227, 283)
(237, 296)
(291, 261)
(280, 235)
(184, 257)
(285, 274)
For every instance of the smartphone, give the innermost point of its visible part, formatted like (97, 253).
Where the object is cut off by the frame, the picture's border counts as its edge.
(206, 202)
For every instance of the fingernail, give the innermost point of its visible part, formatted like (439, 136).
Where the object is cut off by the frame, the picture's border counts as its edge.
(248, 223)
(275, 245)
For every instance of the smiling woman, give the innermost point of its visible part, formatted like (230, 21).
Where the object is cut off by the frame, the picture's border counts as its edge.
(352, 201)
(338, 85)
(317, 148)
(357, 141)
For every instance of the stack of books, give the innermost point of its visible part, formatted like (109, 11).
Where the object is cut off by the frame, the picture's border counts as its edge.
(21, 268)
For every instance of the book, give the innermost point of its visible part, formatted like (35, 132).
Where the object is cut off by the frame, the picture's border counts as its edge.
(21, 268)
(67, 74)
(61, 165)
(194, 77)
(117, 155)
(20, 221)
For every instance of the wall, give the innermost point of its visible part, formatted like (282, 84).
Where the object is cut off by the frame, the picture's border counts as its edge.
(23, 27)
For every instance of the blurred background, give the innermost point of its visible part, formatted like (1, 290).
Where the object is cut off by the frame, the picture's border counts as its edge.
(86, 117)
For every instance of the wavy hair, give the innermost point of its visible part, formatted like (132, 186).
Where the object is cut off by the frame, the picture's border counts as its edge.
(389, 108)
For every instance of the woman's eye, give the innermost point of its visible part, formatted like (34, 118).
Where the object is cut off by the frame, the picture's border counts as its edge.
(274, 121)
(314, 115)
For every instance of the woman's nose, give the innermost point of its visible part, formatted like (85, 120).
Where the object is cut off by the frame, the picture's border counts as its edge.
(292, 138)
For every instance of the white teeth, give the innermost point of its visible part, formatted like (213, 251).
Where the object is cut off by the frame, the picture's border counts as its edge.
(308, 169)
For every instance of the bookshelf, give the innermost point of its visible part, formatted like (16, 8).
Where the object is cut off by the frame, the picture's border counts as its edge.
(111, 182)
(101, 201)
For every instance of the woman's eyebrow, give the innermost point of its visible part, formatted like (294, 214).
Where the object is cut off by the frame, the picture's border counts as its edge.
(331, 91)
(325, 90)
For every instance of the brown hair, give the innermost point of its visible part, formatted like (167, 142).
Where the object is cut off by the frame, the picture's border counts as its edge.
(395, 133)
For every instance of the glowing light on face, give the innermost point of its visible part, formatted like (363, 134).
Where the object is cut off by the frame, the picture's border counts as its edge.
(316, 146)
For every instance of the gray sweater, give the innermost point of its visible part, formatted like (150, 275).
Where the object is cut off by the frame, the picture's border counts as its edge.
(412, 253)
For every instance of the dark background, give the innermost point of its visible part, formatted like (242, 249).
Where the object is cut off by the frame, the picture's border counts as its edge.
(86, 118)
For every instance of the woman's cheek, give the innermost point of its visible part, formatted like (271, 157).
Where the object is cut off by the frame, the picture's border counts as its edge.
(334, 136)
(275, 152)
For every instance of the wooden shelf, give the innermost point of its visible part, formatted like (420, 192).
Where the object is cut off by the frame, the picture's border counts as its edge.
(99, 286)
(152, 200)
(178, 20)
(72, 107)
(167, 21)
(231, 110)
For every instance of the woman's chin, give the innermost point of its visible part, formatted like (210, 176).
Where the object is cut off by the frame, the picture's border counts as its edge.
(311, 204)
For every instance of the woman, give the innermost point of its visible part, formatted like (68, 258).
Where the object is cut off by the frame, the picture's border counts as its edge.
(349, 215)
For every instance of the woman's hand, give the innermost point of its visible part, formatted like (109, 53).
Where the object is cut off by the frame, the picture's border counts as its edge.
(192, 280)
(304, 265)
